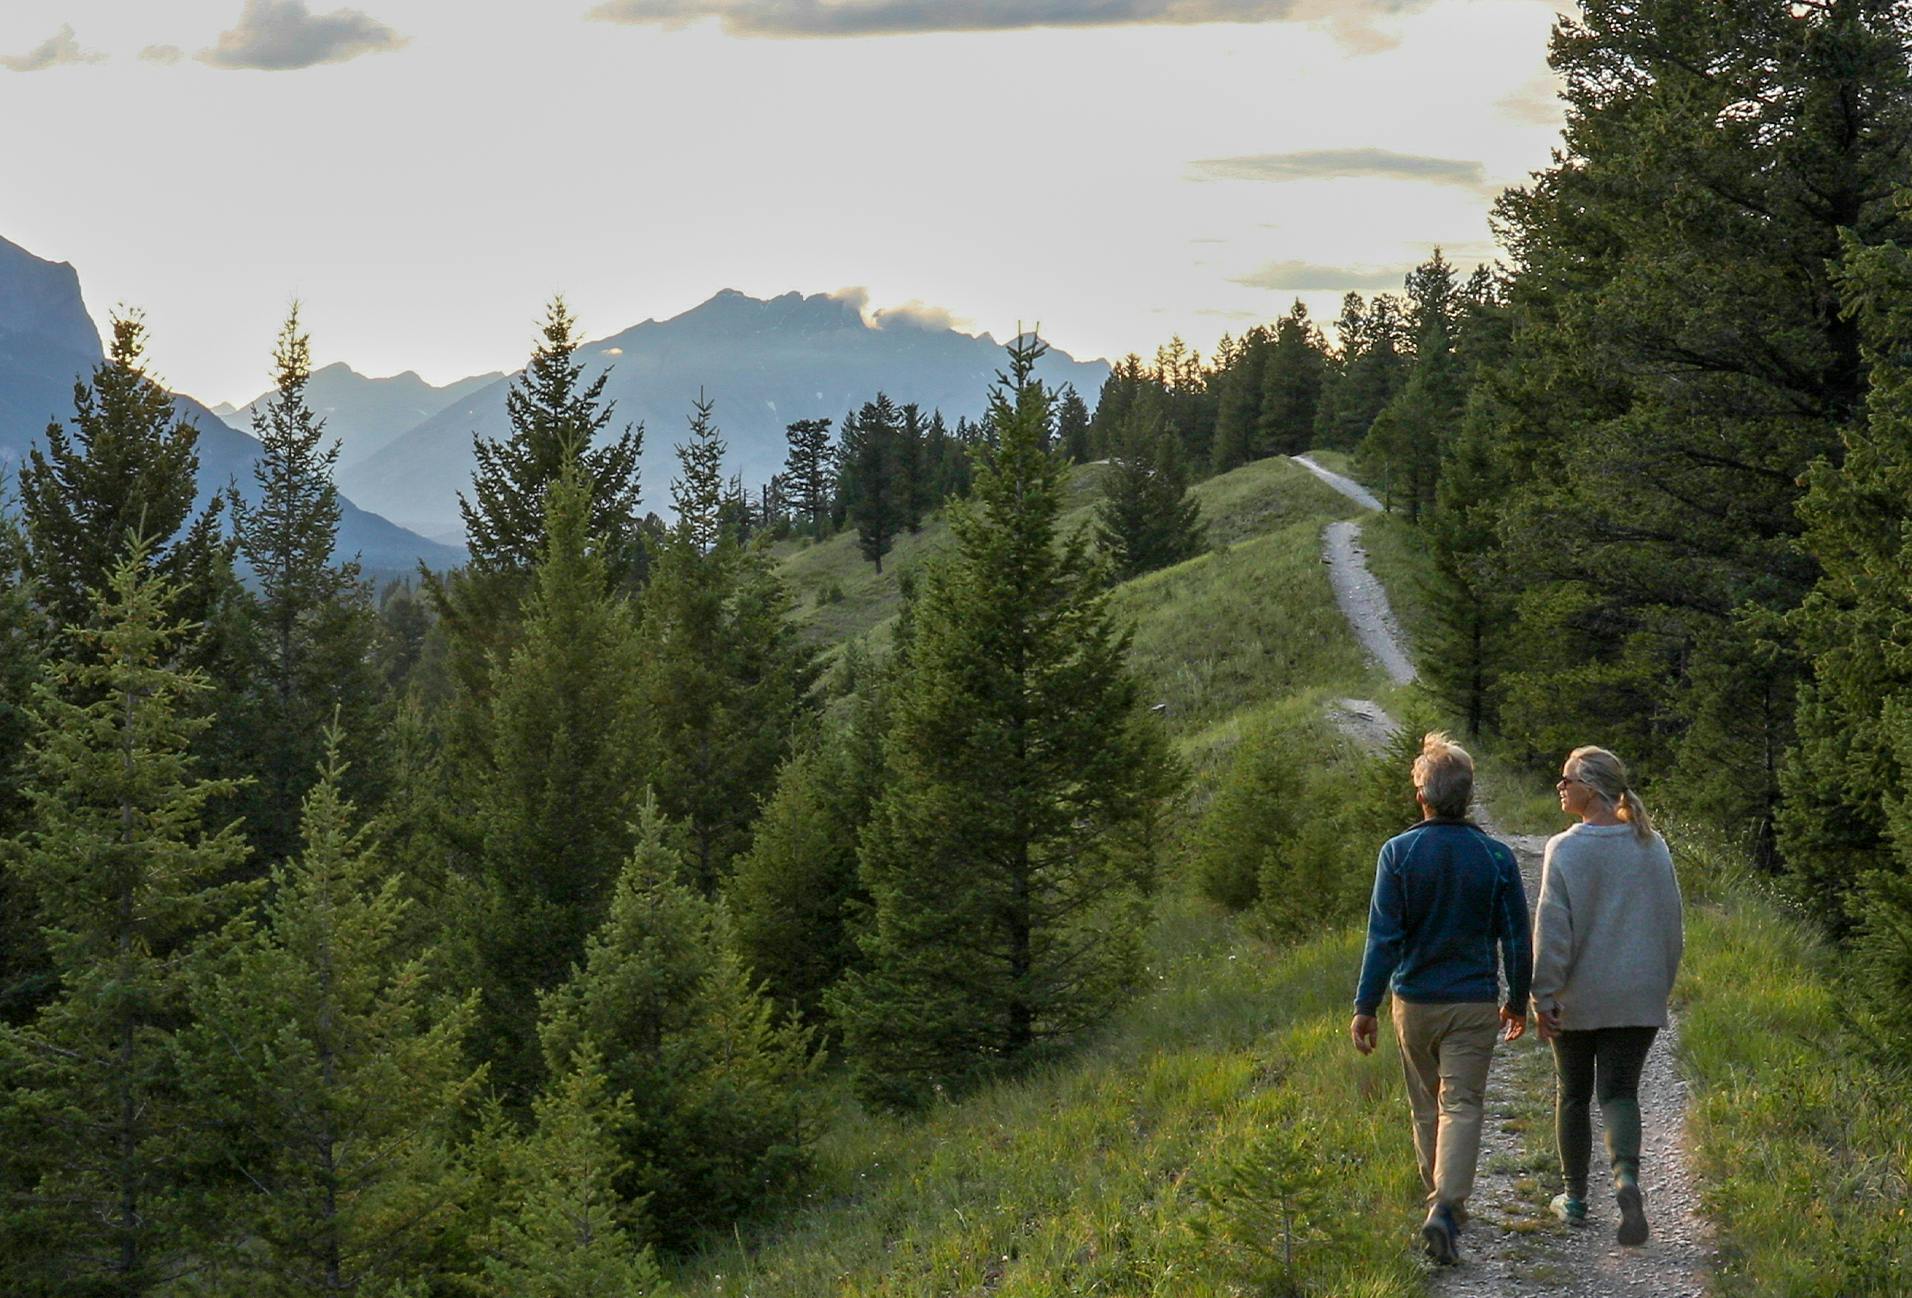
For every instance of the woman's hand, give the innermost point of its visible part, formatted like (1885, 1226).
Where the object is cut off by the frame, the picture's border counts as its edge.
(1547, 1022)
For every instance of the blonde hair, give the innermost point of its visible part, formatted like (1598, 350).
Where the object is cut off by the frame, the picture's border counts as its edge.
(1444, 775)
(1606, 775)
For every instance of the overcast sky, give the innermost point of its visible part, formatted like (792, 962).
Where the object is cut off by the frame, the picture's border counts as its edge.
(423, 175)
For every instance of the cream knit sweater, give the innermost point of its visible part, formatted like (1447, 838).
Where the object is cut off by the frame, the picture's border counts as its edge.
(1607, 932)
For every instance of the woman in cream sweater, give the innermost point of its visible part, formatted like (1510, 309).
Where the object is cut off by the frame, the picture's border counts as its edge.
(1607, 943)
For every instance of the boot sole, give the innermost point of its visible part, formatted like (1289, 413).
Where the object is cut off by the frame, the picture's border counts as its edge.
(1633, 1228)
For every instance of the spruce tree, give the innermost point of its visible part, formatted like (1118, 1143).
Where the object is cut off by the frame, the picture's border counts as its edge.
(1240, 391)
(807, 470)
(95, 1117)
(1292, 378)
(797, 892)
(723, 678)
(1072, 426)
(316, 628)
(1146, 519)
(127, 470)
(559, 787)
(568, 1233)
(719, 1082)
(336, 1084)
(24, 973)
(1008, 854)
(873, 478)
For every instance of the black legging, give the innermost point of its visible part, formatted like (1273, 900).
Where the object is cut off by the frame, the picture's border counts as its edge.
(1613, 1058)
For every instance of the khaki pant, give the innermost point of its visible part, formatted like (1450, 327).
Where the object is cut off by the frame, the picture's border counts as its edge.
(1445, 1051)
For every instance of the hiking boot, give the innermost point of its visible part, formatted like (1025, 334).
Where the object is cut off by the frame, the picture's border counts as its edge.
(1439, 1237)
(1569, 1209)
(1633, 1227)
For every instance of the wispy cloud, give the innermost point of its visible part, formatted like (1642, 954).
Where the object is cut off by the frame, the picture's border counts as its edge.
(1535, 102)
(799, 18)
(58, 50)
(915, 315)
(283, 35)
(162, 54)
(1306, 276)
(1346, 164)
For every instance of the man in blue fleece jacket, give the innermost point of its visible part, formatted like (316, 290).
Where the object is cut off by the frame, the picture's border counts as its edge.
(1446, 896)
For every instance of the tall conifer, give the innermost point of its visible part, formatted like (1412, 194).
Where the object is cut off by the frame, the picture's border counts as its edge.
(95, 1118)
(1007, 856)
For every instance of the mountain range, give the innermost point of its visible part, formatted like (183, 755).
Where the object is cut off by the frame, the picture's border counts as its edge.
(406, 445)
(765, 363)
(47, 341)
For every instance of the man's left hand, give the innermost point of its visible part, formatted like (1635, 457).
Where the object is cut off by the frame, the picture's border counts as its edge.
(1365, 1032)
(1514, 1024)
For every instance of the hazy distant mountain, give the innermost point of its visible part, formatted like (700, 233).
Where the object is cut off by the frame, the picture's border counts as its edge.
(766, 364)
(47, 340)
(365, 415)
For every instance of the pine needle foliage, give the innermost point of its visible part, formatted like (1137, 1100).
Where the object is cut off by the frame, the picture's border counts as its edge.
(1147, 519)
(1008, 855)
(315, 623)
(560, 786)
(334, 1076)
(571, 1234)
(718, 1079)
(95, 1116)
(126, 470)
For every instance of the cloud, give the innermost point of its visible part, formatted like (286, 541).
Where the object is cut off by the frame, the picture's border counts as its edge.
(914, 315)
(162, 54)
(799, 18)
(856, 295)
(281, 35)
(1307, 276)
(1535, 102)
(1346, 164)
(57, 50)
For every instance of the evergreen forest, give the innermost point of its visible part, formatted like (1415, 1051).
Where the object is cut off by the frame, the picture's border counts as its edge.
(938, 868)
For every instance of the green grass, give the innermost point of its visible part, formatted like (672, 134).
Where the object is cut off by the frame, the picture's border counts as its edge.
(1800, 1136)
(1085, 1176)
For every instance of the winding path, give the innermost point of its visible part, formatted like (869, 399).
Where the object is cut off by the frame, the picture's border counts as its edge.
(1514, 1248)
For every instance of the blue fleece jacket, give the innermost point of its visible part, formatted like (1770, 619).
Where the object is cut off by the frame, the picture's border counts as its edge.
(1445, 894)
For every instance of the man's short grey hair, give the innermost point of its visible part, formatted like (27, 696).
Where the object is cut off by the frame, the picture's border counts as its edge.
(1444, 776)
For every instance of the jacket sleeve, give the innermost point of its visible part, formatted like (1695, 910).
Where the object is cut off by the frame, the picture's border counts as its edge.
(1676, 925)
(1553, 936)
(1516, 950)
(1387, 931)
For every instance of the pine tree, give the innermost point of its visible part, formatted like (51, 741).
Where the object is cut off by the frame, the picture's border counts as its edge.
(723, 677)
(808, 471)
(555, 418)
(1007, 855)
(1072, 426)
(663, 999)
(873, 478)
(1681, 362)
(24, 973)
(1146, 519)
(315, 621)
(1239, 396)
(560, 786)
(796, 892)
(569, 1234)
(336, 1084)
(94, 1114)
(1295, 371)
(919, 486)
(128, 469)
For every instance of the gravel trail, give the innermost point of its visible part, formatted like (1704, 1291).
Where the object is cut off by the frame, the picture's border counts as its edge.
(1513, 1247)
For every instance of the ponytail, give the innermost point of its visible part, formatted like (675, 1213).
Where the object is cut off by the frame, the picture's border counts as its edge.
(1630, 809)
(1606, 775)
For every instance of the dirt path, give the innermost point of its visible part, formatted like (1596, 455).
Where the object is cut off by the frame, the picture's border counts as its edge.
(1347, 486)
(1513, 1248)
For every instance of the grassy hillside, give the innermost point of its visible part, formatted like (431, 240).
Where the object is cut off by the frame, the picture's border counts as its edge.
(1093, 1174)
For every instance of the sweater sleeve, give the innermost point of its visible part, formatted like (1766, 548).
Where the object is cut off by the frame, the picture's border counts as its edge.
(1553, 935)
(1676, 928)
(1516, 951)
(1387, 932)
